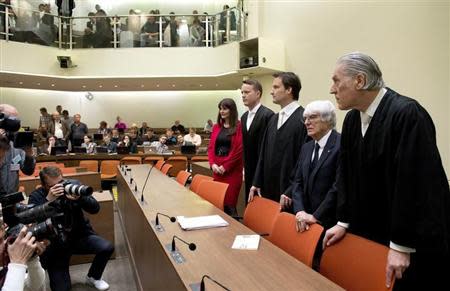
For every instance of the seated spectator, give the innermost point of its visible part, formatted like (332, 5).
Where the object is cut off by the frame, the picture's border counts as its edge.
(127, 142)
(313, 193)
(161, 146)
(208, 126)
(115, 135)
(81, 238)
(120, 125)
(143, 129)
(193, 138)
(135, 137)
(180, 140)
(197, 33)
(42, 134)
(150, 31)
(177, 128)
(109, 144)
(88, 37)
(149, 136)
(171, 139)
(89, 145)
(46, 148)
(103, 128)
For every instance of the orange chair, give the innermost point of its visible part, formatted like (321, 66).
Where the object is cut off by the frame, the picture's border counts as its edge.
(182, 177)
(90, 165)
(199, 159)
(300, 245)
(260, 215)
(196, 181)
(108, 169)
(152, 160)
(131, 160)
(355, 263)
(178, 164)
(213, 192)
(166, 168)
(160, 164)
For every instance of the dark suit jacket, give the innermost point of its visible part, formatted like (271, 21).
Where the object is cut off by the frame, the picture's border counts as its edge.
(65, 130)
(315, 191)
(71, 4)
(252, 139)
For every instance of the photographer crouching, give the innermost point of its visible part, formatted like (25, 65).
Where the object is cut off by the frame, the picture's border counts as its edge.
(80, 238)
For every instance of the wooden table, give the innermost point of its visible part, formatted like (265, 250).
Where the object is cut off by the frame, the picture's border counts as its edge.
(86, 178)
(268, 268)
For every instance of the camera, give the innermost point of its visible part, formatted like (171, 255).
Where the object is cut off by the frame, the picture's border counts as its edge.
(9, 123)
(75, 189)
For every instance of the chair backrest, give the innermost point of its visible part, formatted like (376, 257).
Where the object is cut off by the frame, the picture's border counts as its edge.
(199, 159)
(182, 177)
(178, 163)
(260, 215)
(355, 263)
(300, 245)
(109, 167)
(196, 181)
(213, 192)
(90, 165)
(152, 160)
(159, 164)
(166, 168)
(131, 160)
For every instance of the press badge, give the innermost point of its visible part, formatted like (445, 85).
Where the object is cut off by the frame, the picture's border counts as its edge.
(14, 167)
(16, 159)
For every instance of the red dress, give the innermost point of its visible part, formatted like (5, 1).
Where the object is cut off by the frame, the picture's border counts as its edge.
(233, 163)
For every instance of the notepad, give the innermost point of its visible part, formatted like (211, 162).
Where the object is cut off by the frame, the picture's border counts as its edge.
(200, 222)
(246, 242)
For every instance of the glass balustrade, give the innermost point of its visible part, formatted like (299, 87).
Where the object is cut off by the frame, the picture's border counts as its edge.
(121, 31)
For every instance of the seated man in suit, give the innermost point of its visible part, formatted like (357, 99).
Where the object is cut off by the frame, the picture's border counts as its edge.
(312, 192)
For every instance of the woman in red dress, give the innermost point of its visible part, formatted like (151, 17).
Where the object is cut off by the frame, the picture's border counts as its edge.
(225, 152)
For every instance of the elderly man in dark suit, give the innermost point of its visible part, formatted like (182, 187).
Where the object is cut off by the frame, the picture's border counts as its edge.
(312, 192)
(254, 123)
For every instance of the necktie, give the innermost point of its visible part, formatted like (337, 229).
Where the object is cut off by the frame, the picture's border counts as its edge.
(316, 157)
(281, 119)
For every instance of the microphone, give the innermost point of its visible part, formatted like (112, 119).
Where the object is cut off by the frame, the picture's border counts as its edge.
(202, 283)
(135, 187)
(145, 184)
(192, 246)
(172, 219)
(131, 180)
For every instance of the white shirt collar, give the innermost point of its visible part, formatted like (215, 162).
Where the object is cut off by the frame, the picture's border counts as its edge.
(290, 108)
(255, 109)
(370, 111)
(323, 141)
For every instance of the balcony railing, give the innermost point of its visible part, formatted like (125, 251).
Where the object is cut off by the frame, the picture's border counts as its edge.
(121, 31)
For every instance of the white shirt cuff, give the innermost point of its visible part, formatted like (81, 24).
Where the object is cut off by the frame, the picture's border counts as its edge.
(15, 277)
(400, 248)
(343, 224)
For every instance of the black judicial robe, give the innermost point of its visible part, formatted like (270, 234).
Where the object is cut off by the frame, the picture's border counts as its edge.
(279, 152)
(252, 139)
(392, 185)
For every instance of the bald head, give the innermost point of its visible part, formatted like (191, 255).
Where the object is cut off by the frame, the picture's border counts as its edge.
(9, 110)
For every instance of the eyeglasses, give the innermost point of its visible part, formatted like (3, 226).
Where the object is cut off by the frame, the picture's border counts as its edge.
(311, 117)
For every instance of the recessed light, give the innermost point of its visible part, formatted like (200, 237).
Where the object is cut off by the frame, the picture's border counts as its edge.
(53, 85)
(115, 86)
(173, 85)
(39, 84)
(157, 85)
(142, 86)
(20, 83)
(217, 85)
(100, 86)
(84, 86)
(201, 85)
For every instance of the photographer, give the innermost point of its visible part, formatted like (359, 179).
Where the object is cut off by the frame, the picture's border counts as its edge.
(80, 237)
(11, 159)
(21, 259)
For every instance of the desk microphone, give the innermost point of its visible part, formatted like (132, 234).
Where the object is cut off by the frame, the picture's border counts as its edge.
(192, 246)
(135, 187)
(202, 283)
(145, 184)
(172, 219)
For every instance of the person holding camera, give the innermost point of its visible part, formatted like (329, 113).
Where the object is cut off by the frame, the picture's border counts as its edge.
(80, 238)
(17, 258)
(11, 159)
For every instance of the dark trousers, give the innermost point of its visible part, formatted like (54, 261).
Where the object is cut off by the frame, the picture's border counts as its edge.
(56, 259)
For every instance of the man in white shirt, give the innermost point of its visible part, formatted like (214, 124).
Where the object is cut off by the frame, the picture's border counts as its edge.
(58, 128)
(193, 138)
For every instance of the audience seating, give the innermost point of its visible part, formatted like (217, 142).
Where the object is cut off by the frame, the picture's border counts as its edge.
(183, 177)
(152, 160)
(260, 215)
(199, 159)
(214, 192)
(166, 168)
(90, 165)
(159, 164)
(355, 263)
(300, 245)
(196, 181)
(131, 161)
(178, 163)
(108, 169)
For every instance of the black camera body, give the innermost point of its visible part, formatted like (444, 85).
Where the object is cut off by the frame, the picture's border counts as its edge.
(8, 123)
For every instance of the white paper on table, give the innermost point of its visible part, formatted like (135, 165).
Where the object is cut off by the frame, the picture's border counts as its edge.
(200, 222)
(246, 242)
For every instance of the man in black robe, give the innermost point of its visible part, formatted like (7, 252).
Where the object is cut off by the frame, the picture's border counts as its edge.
(283, 139)
(254, 123)
(392, 187)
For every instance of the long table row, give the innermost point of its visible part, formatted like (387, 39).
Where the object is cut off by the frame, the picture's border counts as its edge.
(268, 268)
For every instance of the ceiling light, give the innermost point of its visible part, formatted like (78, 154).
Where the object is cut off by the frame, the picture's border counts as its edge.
(142, 86)
(84, 86)
(201, 85)
(100, 86)
(157, 85)
(173, 85)
(39, 84)
(115, 86)
(53, 85)
(20, 83)
(217, 85)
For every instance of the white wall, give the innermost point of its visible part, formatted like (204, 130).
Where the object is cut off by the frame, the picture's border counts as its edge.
(159, 109)
(408, 39)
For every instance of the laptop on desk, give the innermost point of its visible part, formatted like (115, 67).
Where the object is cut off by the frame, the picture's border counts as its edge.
(188, 149)
(58, 150)
(79, 150)
(123, 150)
(101, 150)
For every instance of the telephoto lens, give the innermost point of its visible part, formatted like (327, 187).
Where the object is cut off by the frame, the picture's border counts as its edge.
(43, 230)
(77, 190)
